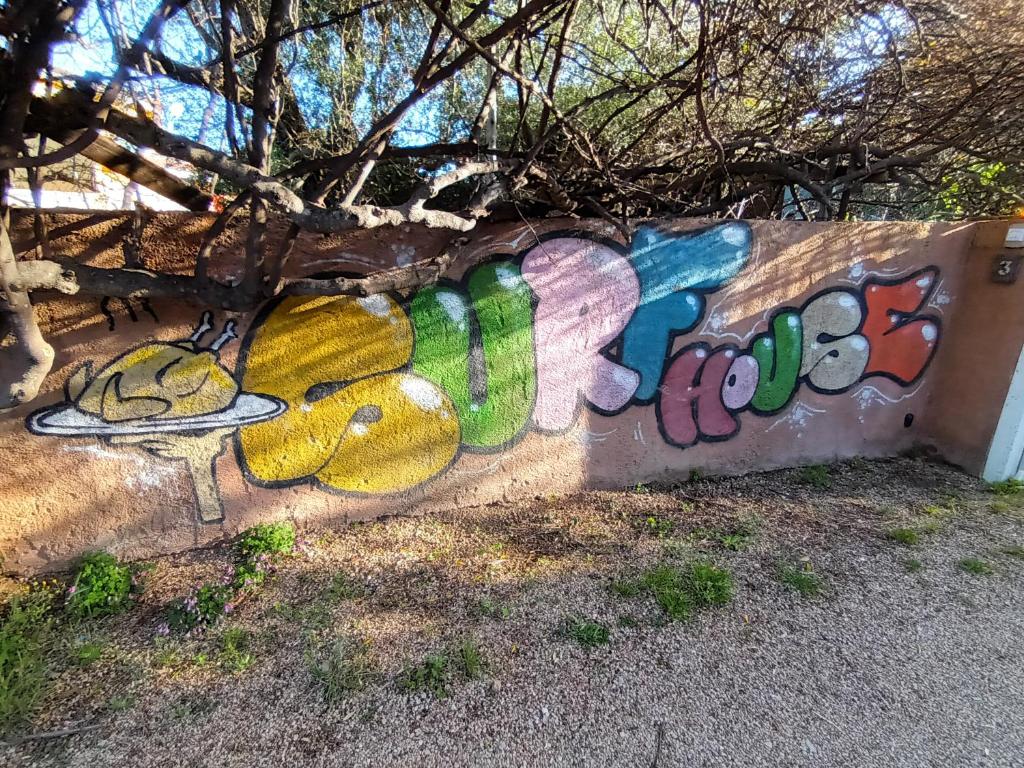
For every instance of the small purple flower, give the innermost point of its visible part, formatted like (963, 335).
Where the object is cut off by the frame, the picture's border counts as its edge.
(163, 629)
(229, 607)
(71, 590)
(190, 603)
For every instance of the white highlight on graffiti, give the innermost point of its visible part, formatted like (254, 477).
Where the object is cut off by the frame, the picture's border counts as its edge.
(928, 332)
(638, 433)
(377, 304)
(508, 278)
(150, 474)
(454, 306)
(359, 429)
(421, 392)
(870, 394)
(798, 416)
(306, 408)
(857, 270)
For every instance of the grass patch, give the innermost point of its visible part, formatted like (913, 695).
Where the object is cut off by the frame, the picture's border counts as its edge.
(340, 667)
(587, 633)
(628, 621)
(87, 653)
(709, 585)
(493, 609)
(120, 703)
(625, 588)
(1009, 487)
(1014, 551)
(912, 565)
(817, 476)
(678, 591)
(343, 587)
(236, 649)
(659, 527)
(25, 632)
(975, 566)
(906, 536)
(431, 675)
(667, 584)
(801, 579)
(471, 659)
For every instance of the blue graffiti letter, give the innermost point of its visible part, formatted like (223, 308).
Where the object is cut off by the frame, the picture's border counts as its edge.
(675, 272)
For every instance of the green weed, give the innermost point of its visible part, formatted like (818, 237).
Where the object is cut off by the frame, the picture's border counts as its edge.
(660, 527)
(1013, 551)
(587, 633)
(429, 675)
(976, 566)
(1009, 487)
(236, 649)
(493, 609)
(817, 476)
(801, 579)
(912, 566)
(625, 587)
(266, 539)
(102, 586)
(25, 632)
(120, 703)
(341, 668)
(906, 536)
(87, 653)
(471, 659)
(342, 587)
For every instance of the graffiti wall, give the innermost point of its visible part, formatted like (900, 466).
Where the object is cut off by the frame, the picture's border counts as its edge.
(559, 359)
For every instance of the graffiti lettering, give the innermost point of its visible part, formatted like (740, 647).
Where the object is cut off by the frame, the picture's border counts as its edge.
(586, 294)
(378, 395)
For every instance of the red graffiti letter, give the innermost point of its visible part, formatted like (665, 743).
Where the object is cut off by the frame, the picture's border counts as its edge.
(902, 341)
(691, 408)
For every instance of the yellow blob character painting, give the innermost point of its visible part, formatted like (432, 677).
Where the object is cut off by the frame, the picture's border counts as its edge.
(172, 399)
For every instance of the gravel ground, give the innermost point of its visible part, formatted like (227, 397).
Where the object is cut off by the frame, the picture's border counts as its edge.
(905, 659)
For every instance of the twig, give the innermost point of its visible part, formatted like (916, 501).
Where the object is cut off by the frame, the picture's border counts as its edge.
(58, 734)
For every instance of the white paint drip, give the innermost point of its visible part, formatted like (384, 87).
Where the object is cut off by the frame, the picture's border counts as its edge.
(149, 475)
(870, 395)
(798, 416)
(638, 433)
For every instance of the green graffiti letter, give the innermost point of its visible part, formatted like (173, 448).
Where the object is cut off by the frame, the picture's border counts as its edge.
(778, 355)
(483, 358)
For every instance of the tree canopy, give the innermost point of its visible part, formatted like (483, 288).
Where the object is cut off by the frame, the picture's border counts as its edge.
(339, 114)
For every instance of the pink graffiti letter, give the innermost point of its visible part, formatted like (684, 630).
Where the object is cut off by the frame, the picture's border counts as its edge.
(587, 293)
(691, 406)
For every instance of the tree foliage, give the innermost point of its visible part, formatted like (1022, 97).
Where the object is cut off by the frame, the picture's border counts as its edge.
(341, 114)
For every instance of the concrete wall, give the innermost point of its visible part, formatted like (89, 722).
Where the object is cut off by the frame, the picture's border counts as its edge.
(561, 360)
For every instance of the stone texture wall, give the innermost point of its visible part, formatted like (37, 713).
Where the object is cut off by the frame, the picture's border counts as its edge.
(561, 359)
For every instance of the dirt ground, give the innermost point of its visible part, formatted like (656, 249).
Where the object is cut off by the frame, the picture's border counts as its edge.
(911, 655)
